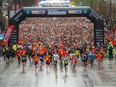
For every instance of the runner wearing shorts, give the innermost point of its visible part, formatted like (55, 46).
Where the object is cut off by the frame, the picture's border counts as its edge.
(99, 57)
(47, 58)
(23, 61)
(55, 58)
(36, 60)
(66, 61)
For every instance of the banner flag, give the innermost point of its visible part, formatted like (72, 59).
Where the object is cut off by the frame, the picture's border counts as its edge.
(7, 34)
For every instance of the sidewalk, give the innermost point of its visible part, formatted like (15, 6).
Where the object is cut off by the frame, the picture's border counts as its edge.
(115, 50)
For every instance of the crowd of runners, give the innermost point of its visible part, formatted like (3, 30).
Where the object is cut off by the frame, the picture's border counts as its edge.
(54, 41)
(54, 31)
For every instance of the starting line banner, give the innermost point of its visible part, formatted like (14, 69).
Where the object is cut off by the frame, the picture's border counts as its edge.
(7, 34)
(79, 11)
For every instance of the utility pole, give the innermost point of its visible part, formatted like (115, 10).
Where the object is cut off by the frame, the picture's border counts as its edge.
(1, 16)
(110, 13)
(15, 7)
(8, 10)
(91, 3)
(0, 10)
(110, 8)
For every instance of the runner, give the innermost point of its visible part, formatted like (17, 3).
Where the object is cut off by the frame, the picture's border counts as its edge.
(61, 53)
(29, 54)
(47, 57)
(50, 54)
(65, 61)
(8, 54)
(99, 57)
(74, 60)
(84, 59)
(77, 53)
(18, 54)
(23, 60)
(13, 54)
(55, 58)
(41, 57)
(70, 56)
(91, 57)
(36, 60)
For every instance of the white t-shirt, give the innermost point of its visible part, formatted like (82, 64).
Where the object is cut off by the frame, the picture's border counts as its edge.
(56, 57)
(70, 55)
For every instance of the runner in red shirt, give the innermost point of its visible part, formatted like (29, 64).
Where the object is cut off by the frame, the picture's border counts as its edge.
(93, 50)
(99, 57)
(19, 53)
(61, 53)
(36, 60)
(47, 58)
(102, 51)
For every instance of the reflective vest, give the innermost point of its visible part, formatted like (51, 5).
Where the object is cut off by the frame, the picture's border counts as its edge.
(14, 47)
(4, 49)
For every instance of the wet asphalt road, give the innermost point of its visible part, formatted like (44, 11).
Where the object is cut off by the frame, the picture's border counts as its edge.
(12, 75)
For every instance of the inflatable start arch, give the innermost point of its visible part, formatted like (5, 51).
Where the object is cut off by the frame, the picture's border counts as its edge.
(11, 35)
